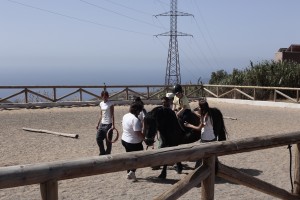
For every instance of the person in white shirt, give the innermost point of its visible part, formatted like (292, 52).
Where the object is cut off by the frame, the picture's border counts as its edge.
(132, 136)
(211, 124)
(206, 122)
(106, 122)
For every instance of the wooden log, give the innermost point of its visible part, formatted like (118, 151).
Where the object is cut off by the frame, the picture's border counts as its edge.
(208, 184)
(51, 132)
(232, 118)
(297, 170)
(184, 185)
(235, 176)
(49, 190)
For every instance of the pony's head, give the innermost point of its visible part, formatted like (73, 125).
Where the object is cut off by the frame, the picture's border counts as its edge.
(150, 126)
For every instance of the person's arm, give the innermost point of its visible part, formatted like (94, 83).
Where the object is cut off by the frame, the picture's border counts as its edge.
(184, 104)
(200, 126)
(137, 128)
(100, 118)
(140, 133)
(174, 107)
(112, 112)
(181, 110)
(197, 113)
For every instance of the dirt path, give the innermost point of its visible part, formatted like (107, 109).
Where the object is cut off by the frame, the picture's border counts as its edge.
(22, 147)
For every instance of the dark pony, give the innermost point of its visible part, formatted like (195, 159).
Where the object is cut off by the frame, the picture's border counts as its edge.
(173, 132)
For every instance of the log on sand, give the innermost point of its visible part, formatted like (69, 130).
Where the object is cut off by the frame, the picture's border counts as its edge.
(51, 132)
(232, 118)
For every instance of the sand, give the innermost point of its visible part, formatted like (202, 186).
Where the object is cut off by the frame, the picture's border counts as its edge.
(18, 147)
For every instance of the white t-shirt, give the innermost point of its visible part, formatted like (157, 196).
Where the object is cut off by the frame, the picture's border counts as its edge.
(207, 132)
(142, 115)
(106, 113)
(131, 124)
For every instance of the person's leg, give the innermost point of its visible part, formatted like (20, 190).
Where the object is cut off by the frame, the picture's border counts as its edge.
(125, 145)
(135, 147)
(129, 148)
(159, 145)
(199, 162)
(108, 143)
(99, 139)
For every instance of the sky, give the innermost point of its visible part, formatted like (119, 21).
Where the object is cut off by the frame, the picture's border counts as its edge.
(91, 42)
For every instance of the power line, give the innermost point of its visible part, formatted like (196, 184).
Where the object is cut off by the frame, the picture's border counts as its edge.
(210, 37)
(129, 8)
(76, 18)
(108, 10)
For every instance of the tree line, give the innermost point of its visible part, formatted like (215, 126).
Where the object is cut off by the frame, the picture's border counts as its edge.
(265, 73)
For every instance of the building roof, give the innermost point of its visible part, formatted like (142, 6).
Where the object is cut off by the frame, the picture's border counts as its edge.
(292, 48)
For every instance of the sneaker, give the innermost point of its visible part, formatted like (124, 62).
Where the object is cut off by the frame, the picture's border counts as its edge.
(131, 175)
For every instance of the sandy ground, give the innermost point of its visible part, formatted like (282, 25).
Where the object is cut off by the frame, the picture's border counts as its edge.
(21, 147)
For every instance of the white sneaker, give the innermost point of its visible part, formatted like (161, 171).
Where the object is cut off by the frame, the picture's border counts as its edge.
(131, 175)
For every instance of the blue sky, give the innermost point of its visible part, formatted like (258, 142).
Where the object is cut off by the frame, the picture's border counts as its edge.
(89, 42)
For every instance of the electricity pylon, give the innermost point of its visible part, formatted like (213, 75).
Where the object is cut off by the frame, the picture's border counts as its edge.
(173, 65)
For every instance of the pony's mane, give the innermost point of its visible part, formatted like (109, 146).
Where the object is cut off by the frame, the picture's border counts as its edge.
(153, 112)
(218, 123)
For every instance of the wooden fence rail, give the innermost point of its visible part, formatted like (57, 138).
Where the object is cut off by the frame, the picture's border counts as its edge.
(51, 96)
(48, 174)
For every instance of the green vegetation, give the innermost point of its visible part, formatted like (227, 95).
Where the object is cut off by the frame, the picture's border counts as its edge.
(265, 73)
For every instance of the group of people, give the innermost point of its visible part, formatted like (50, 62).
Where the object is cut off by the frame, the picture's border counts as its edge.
(132, 135)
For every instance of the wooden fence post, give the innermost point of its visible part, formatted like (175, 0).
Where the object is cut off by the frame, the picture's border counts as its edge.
(26, 95)
(297, 170)
(80, 94)
(208, 184)
(49, 190)
(54, 95)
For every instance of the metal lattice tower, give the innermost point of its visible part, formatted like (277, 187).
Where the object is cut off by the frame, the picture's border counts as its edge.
(173, 66)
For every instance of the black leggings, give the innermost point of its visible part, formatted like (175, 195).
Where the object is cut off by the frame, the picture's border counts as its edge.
(129, 147)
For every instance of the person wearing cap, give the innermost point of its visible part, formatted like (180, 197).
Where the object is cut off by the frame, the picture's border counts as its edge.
(168, 99)
(180, 103)
(166, 104)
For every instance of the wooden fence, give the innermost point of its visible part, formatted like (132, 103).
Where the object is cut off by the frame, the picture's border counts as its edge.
(54, 96)
(48, 174)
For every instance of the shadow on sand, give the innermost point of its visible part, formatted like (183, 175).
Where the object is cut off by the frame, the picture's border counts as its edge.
(155, 179)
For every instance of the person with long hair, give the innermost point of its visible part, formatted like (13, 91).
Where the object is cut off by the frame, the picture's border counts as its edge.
(211, 124)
